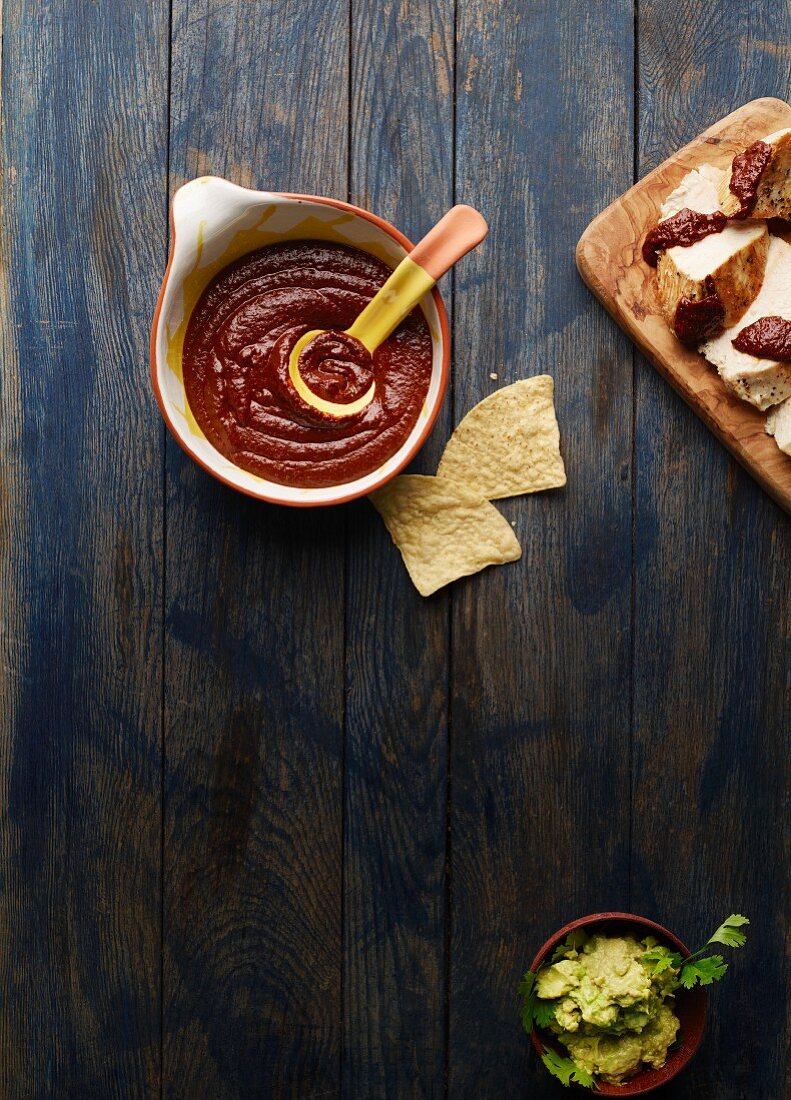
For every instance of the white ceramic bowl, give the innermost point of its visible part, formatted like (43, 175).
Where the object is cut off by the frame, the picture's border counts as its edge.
(213, 223)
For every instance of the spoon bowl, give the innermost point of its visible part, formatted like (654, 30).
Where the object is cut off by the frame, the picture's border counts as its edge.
(452, 237)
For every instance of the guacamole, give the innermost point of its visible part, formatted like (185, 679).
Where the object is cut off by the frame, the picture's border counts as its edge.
(611, 1012)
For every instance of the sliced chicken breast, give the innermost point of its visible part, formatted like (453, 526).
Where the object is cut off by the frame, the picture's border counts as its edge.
(735, 259)
(773, 194)
(778, 424)
(762, 382)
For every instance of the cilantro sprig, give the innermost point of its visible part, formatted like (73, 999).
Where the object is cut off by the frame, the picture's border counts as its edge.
(662, 958)
(535, 1012)
(540, 1013)
(570, 947)
(729, 932)
(703, 971)
(566, 1070)
(697, 970)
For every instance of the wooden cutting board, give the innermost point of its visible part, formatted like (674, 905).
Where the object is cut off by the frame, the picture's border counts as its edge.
(610, 262)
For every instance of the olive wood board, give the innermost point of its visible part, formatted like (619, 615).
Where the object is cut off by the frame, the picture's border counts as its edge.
(609, 259)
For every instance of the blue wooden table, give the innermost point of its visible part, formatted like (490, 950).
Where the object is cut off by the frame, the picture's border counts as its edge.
(271, 824)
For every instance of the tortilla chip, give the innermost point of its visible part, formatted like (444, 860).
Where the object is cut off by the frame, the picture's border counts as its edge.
(443, 529)
(508, 444)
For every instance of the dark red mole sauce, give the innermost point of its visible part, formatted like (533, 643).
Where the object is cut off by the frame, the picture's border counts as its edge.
(235, 363)
(746, 172)
(697, 318)
(684, 228)
(688, 226)
(766, 338)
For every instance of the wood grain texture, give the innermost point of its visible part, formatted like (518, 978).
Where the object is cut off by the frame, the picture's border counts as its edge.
(84, 120)
(352, 919)
(610, 262)
(254, 633)
(397, 642)
(542, 648)
(712, 704)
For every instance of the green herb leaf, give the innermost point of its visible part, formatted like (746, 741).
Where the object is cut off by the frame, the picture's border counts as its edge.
(566, 1070)
(527, 983)
(664, 962)
(728, 932)
(570, 946)
(535, 1011)
(543, 1012)
(582, 1077)
(660, 959)
(705, 971)
(528, 1008)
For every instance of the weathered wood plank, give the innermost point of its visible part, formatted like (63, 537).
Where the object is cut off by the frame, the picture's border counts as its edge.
(713, 618)
(84, 121)
(254, 632)
(396, 749)
(541, 649)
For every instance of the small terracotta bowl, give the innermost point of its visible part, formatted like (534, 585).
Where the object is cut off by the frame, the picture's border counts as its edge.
(213, 223)
(690, 1004)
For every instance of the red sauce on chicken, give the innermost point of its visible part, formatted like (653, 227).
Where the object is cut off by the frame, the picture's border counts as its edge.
(697, 318)
(684, 228)
(746, 172)
(766, 338)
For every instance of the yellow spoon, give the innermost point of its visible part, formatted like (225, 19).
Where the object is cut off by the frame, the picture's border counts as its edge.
(451, 238)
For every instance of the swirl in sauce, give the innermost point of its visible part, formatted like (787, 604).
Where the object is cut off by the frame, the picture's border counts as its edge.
(235, 364)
